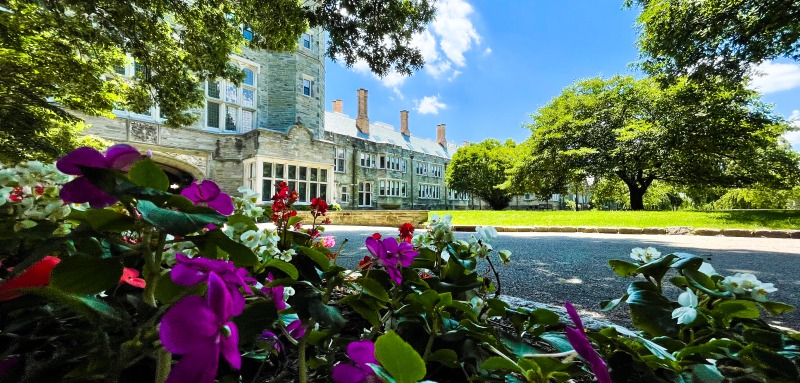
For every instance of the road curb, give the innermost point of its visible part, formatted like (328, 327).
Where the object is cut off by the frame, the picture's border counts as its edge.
(673, 230)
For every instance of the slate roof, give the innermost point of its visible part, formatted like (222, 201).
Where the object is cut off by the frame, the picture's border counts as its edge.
(380, 132)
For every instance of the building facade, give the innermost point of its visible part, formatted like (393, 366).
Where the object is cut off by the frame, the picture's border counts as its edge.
(273, 127)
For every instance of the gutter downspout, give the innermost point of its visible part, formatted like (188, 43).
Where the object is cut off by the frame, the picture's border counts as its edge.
(355, 180)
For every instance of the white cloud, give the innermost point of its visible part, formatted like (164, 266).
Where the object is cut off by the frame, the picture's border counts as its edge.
(392, 79)
(770, 77)
(430, 105)
(794, 136)
(487, 51)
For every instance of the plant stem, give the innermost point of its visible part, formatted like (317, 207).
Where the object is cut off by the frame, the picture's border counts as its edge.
(496, 277)
(301, 353)
(431, 338)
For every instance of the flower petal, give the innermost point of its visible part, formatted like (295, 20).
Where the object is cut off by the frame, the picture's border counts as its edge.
(223, 204)
(375, 247)
(80, 190)
(38, 275)
(122, 157)
(209, 190)
(394, 273)
(582, 346)
(573, 314)
(219, 297)
(347, 373)
(362, 352)
(229, 347)
(188, 326)
(198, 367)
(192, 192)
(83, 156)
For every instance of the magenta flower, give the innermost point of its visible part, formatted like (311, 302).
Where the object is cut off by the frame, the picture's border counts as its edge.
(199, 329)
(577, 338)
(296, 329)
(208, 193)
(80, 190)
(276, 293)
(270, 336)
(390, 253)
(363, 353)
(191, 271)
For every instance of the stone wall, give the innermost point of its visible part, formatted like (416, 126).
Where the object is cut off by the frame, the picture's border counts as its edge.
(389, 218)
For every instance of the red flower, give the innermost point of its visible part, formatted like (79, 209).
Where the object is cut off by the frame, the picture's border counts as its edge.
(365, 263)
(406, 232)
(424, 275)
(38, 275)
(318, 207)
(130, 276)
(376, 236)
(39, 189)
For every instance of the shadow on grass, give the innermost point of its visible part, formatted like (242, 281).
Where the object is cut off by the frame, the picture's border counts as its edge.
(777, 219)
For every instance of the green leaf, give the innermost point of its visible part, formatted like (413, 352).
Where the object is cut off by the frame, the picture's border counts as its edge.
(109, 220)
(612, 304)
(445, 356)
(767, 359)
(146, 173)
(326, 315)
(294, 220)
(255, 318)
(248, 223)
(372, 288)
(372, 316)
(320, 259)
(650, 311)
(736, 308)
(89, 306)
(500, 363)
(176, 222)
(167, 291)
(399, 358)
(86, 275)
(284, 266)
(623, 268)
(240, 254)
(776, 308)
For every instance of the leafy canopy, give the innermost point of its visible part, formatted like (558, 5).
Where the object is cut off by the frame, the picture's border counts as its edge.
(716, 36)
(58, 57)
(637, 132)
(480, 168)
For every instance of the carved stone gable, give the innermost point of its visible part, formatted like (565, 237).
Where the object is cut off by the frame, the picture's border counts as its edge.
(143, 132)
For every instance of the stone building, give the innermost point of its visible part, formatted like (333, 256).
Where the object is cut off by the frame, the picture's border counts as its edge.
(273, 127)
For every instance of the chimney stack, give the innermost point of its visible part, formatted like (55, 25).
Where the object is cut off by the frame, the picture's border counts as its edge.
(337, 106)
(464, 143)
(362, 121)
(440, 137)
(404, 123)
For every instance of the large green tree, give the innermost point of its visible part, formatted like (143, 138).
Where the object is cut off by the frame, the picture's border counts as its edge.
(633, 130)
(700, 38)
(57, 56)
(479, 169)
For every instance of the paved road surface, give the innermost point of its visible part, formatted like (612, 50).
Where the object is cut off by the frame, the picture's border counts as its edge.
(553, 267)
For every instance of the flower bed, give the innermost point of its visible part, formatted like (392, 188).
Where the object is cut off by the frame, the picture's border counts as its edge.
(106, 276)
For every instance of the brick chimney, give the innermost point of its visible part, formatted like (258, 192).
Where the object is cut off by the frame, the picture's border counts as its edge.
(404, 123)
(440, 137)
(362, 121)
(337, 106)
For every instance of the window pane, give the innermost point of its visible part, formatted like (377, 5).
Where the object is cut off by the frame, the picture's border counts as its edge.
(303, 173)
(279, 170)
(323, 175)
(213, 89)
(119, 69)
(323, 192)
(248, 98)
(212, 116)
(307, 87)
(230, 119)
(313, 174)
(267, 169)
(302, 191)
(249, 77)
(313, 191)
(292, 186)
(266, 190)
(231, 93)
(292, 172)
(247, 120)
(247, 33)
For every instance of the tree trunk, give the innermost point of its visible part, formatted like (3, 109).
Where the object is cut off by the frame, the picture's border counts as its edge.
(637, 198)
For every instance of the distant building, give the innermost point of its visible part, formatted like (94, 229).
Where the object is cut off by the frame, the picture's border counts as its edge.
(273, 127)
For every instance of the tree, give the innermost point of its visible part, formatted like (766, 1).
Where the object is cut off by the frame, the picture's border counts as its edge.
(58, 57)
(720, 37)
(479, 169)
(687, 134)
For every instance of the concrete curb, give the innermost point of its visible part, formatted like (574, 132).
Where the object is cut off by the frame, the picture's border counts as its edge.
(673, 230)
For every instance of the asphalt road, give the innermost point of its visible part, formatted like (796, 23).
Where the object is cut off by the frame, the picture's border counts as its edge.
(554, 267)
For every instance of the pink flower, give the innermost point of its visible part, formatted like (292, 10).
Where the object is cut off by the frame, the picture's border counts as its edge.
(577, 338)
(329, 241)
(81, 190)
(390, 254)
(363, 353)
(208, 193)
(130, 276)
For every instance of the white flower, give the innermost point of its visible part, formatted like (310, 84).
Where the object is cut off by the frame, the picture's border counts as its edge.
(420, 240)
(740, 283)
(760, 292)
(286, 255)
(477, 303)
(687, 313)
(505, 257)
(251, 238)
(707, 269)
(270, 238)
(486, 233)
(288, 291)
(645, 255)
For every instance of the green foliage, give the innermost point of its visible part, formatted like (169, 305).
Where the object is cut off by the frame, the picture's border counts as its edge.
(479, 169)
(707, 38)
(759, 198)
(635, 131)
(59, 57)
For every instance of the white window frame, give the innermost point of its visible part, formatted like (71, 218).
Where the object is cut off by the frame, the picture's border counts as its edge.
(311, 85)
(389, 187)
(235, 105)
(367, 160)
(365, 191)
(457, 196)
(339, 160)
(428, 191)
(278, 170)
(344, 194)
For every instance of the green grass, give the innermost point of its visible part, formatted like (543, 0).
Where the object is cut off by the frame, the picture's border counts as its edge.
(761, 219)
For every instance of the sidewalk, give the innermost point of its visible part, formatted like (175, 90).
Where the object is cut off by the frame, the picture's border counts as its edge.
(672, 230)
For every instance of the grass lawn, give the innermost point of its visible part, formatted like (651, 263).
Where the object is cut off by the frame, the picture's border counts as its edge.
(751, 219)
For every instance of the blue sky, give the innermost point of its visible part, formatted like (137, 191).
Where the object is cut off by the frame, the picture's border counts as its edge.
(489, 64)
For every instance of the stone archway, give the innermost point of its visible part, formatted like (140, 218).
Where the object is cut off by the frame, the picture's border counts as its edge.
(180, 173)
